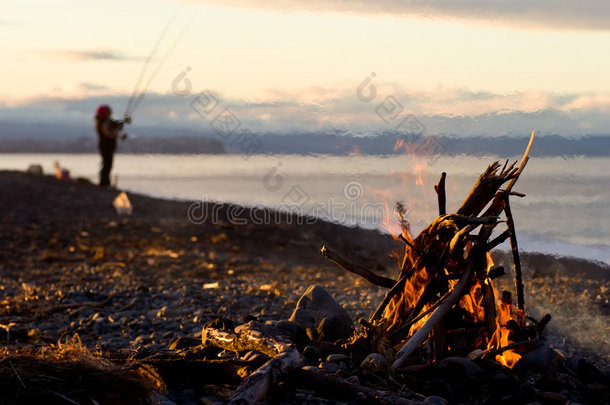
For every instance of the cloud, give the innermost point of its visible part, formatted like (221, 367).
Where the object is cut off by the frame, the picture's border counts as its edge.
(92, 87)
(441, 111)
(96, 55)
(556, 14)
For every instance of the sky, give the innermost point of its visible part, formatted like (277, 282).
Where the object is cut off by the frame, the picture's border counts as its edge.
(465, 67)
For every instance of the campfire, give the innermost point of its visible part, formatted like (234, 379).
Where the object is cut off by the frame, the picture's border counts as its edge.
(443, 305)
(444, 302)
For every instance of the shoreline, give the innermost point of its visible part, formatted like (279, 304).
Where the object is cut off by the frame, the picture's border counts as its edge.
(70, 265)
(541, 229)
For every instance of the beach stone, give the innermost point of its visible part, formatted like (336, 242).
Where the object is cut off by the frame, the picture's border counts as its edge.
(295, 331)
(553, 398)
(318, 309)
(585, 369)
(334, 328)
(35, 170)
(336, 358)
(330, 367)
(435, 400)
(375, 362)
(312, 354)
(462, 365)
(543, 358)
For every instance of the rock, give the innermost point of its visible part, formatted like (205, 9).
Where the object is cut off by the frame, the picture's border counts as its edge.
(475, 354)
(295, 331)
(334, 328)
(552, 398)
(326, 348)
(330, 367)
(435, 400)
(35, 170)
(375, 362)
(586, 370)
(461, 365)
(312, 354)
(311, 368)
(543, 358)
(336, 358)
(189, 394)
(318, 309)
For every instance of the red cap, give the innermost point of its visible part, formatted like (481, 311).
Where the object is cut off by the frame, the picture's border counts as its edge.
(103, 111)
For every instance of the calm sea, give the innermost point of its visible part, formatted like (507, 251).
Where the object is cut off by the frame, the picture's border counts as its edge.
(566, 210)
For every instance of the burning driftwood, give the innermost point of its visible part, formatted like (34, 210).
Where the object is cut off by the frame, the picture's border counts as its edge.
(444, 294)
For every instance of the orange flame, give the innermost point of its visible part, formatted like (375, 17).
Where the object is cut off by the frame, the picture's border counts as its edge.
(505, 312)
(419, 169)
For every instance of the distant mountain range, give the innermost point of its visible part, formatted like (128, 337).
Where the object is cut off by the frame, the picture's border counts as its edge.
(67, 138)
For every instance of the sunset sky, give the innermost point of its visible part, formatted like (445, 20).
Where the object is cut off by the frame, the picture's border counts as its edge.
(287, 65)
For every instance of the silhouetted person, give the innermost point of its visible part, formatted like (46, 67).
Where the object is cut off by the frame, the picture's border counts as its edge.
(108, 131)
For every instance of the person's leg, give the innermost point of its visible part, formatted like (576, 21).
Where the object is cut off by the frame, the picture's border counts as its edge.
(107, 152)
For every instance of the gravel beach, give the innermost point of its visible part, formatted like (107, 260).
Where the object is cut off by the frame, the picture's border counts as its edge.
(69, 264)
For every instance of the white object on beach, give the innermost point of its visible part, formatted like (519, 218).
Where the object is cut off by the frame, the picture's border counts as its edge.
(122, 205)
(35, 170)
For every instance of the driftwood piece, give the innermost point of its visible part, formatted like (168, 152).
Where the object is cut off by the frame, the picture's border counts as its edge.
(346, 265)
(249, 336)
(485, 188)
(489, 305)
(340, 389)
(404, 329)
(498, 240)
(514, 247)
(256, 336)
(475, 258)
(442, 197)
(257, 384)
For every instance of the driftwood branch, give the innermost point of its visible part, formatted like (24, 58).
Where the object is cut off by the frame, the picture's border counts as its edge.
(515, 251)
(257, 384)
(404, 329)
(346, 265)
(341, 389)
(485, 188)
(256, 336)
(475, 259)
(388, 297)
(494, 352)
(442, 197)
(498, 240)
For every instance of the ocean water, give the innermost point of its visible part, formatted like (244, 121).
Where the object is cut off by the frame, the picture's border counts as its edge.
(566, 210)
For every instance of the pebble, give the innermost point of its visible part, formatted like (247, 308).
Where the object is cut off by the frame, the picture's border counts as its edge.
(337, 358)
(312, 354)
(330, 367)
(537, 360)
(296, 332)
(435, 400)
(552, 398)
(466, 366)
(375, 362)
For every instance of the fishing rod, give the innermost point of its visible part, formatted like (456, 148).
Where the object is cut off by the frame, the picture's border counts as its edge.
(151, 55)
(137, 94)
(170, 50)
